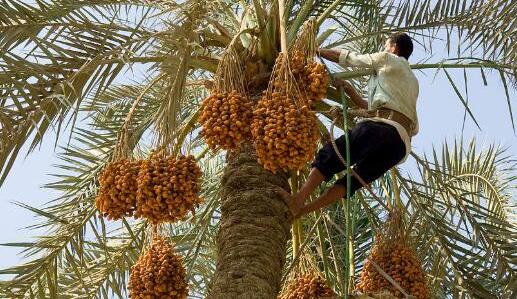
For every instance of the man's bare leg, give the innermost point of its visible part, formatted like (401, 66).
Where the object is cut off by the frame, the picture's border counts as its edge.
(328, 197)
(314, 179)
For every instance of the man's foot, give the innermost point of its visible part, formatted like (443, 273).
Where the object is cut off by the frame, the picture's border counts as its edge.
(291, 202)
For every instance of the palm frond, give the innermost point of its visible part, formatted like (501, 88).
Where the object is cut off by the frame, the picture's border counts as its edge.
(44, 81)
(63, 61)
(462, 207)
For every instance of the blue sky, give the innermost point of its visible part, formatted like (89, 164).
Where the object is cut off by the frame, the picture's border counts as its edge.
(440, 113)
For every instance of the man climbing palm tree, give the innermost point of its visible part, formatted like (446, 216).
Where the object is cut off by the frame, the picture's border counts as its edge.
(382, 139)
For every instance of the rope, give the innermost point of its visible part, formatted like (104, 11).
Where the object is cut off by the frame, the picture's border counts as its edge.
(365, 185)
(354, 113)
(334, 112)
(358, 113)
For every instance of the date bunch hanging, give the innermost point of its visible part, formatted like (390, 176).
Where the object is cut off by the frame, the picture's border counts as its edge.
(116, 196)
(308, 286)
(158, 273)
(226, 113)
(312, 77)
(284, 126)
(168, 187)
(392, 252)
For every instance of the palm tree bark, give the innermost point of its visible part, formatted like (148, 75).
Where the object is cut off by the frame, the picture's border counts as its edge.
(253, 232)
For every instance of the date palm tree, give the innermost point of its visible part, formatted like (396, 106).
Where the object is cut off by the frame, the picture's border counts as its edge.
(74, 70)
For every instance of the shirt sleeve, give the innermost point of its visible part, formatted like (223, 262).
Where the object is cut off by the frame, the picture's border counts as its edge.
(348, 58)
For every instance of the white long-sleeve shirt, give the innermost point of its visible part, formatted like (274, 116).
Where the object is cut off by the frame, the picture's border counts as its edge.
(393, 86)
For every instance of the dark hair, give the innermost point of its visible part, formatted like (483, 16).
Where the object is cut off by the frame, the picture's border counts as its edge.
(404, 44)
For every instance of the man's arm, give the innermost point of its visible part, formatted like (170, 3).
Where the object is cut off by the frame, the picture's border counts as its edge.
(352, 94)
(329, 54)
(347, 58)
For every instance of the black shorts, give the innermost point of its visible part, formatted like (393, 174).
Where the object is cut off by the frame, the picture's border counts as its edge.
(375, 147)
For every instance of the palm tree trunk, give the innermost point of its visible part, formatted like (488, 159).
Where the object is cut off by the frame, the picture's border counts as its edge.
(253, 232)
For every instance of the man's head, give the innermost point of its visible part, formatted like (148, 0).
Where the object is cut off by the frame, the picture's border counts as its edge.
(399, 44)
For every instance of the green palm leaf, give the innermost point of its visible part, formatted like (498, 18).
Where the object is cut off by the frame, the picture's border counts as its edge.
(65, 67)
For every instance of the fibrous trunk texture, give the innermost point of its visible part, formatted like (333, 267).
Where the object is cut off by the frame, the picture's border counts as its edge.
(253, 231)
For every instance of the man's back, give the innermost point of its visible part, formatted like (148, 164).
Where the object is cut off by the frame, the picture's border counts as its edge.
(393, 86)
